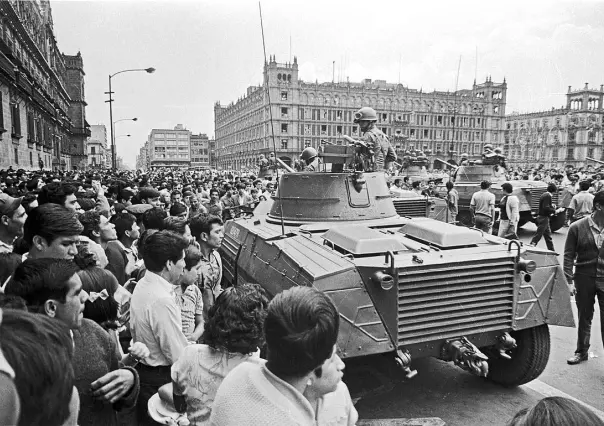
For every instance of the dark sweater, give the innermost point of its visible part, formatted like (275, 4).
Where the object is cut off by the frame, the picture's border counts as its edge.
(117, 261)
(545, 204)
(581, 251)
(96, 355)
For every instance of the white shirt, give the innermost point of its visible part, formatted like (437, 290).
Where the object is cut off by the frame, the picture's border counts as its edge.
(155, 320)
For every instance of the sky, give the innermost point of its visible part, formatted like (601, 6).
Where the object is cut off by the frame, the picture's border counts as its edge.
(206, 51)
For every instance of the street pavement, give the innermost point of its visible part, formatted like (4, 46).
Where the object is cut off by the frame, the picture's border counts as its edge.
(459, 398)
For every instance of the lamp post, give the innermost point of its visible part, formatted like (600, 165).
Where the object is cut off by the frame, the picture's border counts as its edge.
(110, 93)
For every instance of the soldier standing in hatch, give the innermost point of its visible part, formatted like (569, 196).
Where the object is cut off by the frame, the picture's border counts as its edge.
(374, 148)
(309, 159)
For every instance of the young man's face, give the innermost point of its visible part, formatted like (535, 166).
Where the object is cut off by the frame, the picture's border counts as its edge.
(189, 276)
(215, 237)
(71, 203)
(60, 248)
(14, 224)
(176, 269)
(155, 201)
(194, 203)
(107, 230)
(71, 311)
(332, 371)
(176, 198)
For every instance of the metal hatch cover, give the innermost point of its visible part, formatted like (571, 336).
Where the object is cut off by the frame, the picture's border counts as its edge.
(361, 240)
(442, 234)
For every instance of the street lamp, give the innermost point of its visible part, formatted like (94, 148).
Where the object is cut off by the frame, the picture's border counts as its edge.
(149, 70)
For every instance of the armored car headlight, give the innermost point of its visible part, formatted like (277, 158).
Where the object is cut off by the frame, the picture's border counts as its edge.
(384, 280)
(527, 265)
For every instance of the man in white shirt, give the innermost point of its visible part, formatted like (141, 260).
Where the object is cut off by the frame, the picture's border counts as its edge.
(482, 206)
(581, 204)
(510, 212)
(155, 319)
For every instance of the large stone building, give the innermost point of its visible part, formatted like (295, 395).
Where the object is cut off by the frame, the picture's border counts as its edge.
(96, 146)
(443, 124)
(170, 148)
(42, 116)
(558, 137)
(200, 151)
(142, 159)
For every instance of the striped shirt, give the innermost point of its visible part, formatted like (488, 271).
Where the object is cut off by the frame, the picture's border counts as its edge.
(190, 304)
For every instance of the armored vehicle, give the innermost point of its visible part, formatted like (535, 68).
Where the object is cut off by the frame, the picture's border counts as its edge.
(467, 181)
(404, 287)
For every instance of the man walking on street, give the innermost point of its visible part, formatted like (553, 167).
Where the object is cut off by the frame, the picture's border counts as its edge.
(584, 251)
(482, 207)
(546, 210)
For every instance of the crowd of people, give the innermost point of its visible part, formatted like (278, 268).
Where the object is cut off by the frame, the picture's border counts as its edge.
(113, 309)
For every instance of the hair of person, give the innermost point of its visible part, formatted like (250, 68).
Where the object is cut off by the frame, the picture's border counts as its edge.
(214, 191)
(301, 329)
(39, 280)
(176, 224)
(203, 222)
(161, 247)
(147, 192)
(485, 184)
(551, 187)
(103, 312)
(507, 187)
(10, 301)
(449, 185)
(192, 257)
(584, 185)
(91, 221)
(86, 204)
(556, 411)
(123, 222)
(142, 239)
(8, 264)
(236, 320)
(599, 198)
(56, 192)
(176, 192)
(51, 221)
(177, 208)
(40, 350)
(154, 218)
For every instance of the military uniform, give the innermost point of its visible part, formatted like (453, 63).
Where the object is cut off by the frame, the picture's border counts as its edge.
(313, 166)
(379, 152)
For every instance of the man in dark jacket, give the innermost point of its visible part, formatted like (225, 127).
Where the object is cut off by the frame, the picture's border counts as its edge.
(546, 210)
(584, 251)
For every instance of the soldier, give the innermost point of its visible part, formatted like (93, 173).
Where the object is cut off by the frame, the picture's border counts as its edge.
(374, 148)
(309, 160)
(464, 160)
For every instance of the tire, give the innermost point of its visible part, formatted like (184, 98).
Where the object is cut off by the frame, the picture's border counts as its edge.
(528, 361)
(557, 221)
(464, 218)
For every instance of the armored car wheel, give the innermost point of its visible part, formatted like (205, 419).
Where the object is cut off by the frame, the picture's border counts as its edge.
(529, 358)
(557, 221)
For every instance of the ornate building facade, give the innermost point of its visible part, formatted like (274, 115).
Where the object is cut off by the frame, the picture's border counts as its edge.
(559, 137)
(42, 117)
(442, 124)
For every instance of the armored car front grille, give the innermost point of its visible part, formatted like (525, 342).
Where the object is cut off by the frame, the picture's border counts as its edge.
(410, 208)
(445, 301)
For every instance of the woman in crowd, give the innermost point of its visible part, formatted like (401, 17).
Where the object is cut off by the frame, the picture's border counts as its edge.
(233, 334)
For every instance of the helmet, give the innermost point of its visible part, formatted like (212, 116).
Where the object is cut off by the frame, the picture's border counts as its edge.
(365, 113)
(308, 153)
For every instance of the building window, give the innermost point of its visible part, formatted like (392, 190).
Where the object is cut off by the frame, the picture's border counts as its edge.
(2, 129)
(570, 153)
(425, 134)
(92, 150)
(16, 155)
(16, 121)
(283, 128)
(590, 152)
(31, 159)
(283, 143)
(307, 143)
(323, 130)
(283, 96)
(283, 112)
(339, 130)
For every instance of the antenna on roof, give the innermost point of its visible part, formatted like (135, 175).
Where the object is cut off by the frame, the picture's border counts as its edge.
(270, 110)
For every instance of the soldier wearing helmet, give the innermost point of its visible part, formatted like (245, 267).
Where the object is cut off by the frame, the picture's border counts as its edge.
(464, 160)
(310, 161)
(374, 148)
